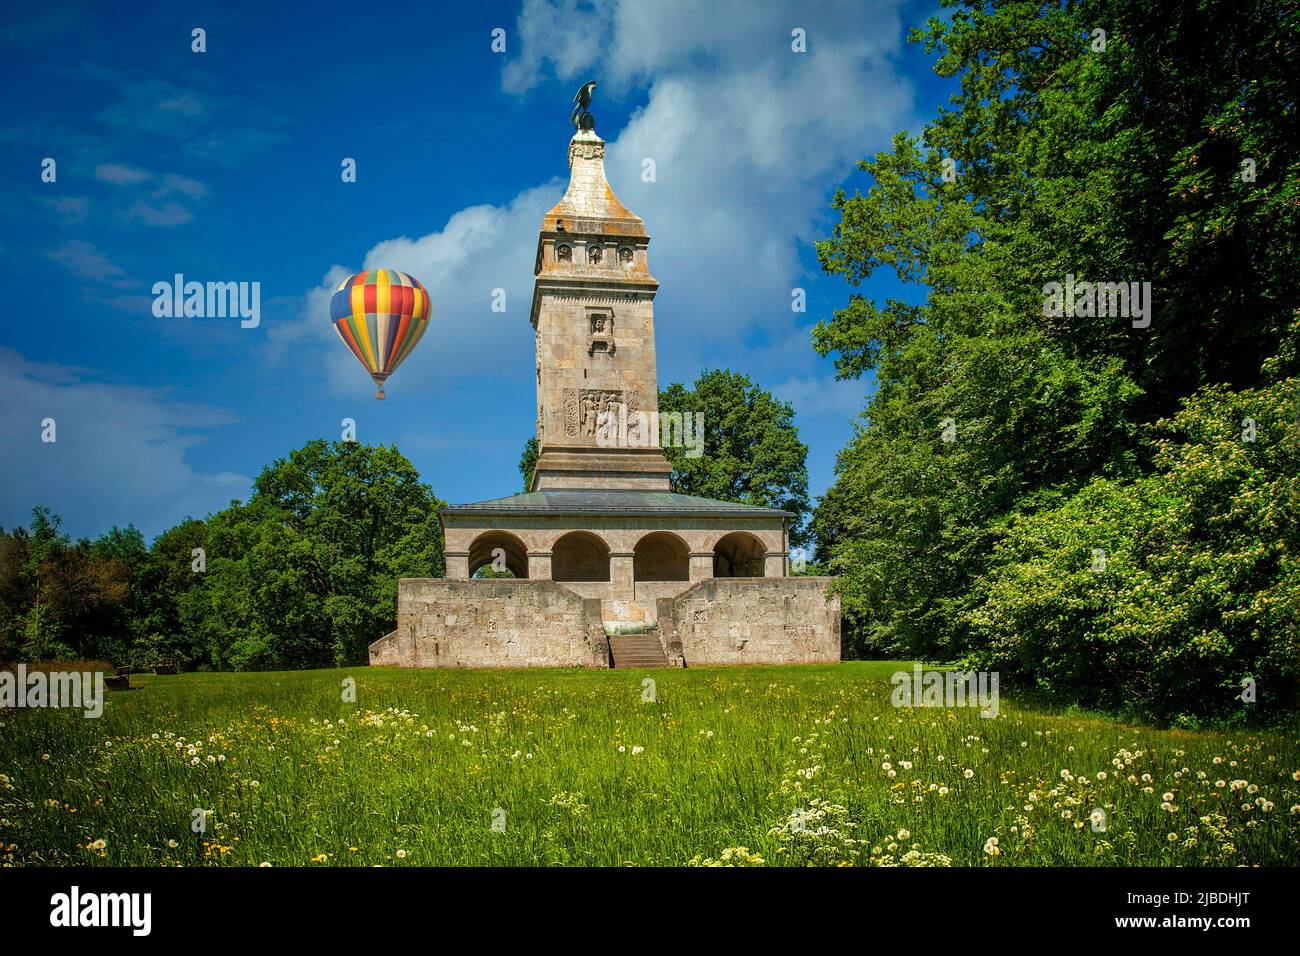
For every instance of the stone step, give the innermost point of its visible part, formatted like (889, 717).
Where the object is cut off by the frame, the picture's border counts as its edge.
(640, 650)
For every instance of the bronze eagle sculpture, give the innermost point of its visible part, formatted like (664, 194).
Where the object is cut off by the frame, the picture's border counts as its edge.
(581, 103)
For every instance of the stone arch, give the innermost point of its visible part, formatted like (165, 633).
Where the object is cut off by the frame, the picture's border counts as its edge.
(661, 556)
(483, 551)
(739, 555)
(580, 556)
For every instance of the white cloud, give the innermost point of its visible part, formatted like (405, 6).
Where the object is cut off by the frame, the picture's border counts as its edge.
(70, 209)
(120, 174)
(165, 214)
(748, 140)
(102, 281)
(174, 183)
(185, 103)
(120, 454)
(161, 214)
(479, 249)
(85, 261)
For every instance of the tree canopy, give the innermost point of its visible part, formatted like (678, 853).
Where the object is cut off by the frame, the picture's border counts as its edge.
(1093, 142)
(751, 451)
(304, 574)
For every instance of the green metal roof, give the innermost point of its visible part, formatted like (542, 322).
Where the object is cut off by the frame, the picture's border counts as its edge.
(596, 502)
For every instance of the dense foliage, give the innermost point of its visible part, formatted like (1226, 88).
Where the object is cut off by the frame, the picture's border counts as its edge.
(1004, 444)
(302, 575)
(60, 599)
(751, 450)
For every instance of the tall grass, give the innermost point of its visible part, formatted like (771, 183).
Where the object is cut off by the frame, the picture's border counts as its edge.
(793, 764)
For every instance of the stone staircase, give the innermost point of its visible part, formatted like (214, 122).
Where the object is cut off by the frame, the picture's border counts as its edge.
(637, 650)
(633, 635)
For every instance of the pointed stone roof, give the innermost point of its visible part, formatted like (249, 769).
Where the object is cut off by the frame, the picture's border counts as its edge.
(589, 204)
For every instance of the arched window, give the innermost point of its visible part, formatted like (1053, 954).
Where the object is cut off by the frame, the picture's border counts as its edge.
(580, 556)
(661, 556)
(498, 554)
(739, 555)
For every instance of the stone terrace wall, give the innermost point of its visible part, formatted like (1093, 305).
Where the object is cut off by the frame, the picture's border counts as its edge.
(753, 621)
(492, 623)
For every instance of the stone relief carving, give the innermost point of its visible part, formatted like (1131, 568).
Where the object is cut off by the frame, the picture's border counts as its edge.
(586, 151)
(601, 408)
(563, 253)
(594, 255)
(624, 256)
(571, 413)
(594, 413)
(632, 398)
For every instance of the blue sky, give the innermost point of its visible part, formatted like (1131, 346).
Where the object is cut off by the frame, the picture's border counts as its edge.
(225, 166)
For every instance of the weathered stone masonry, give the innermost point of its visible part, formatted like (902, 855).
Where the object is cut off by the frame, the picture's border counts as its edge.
(607, 561)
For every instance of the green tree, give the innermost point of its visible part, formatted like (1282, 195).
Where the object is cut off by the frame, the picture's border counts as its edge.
(751, 451)
(305, 574)
(60, 599)
(528, 462)
(1122, 164)
(171, 571)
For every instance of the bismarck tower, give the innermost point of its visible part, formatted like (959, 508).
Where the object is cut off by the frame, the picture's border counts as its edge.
(600, 563)
(593, 313)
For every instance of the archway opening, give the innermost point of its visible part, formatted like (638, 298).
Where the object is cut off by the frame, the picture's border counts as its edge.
(498, 554)
(660, 556)
(580, 556)
(739, 555)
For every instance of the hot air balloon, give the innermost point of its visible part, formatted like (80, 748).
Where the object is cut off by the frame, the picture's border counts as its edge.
(380, 315)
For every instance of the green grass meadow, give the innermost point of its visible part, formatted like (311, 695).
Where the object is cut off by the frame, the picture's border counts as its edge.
(741, 766)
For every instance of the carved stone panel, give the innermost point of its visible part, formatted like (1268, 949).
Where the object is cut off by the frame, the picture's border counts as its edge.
(586, 151)
(584, 408)
(634, 437)
(571, 413)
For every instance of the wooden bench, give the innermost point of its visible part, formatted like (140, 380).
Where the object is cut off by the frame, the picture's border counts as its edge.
(121, 681)
(166, 665)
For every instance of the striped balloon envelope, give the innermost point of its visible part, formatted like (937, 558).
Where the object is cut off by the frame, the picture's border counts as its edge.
(380, 315)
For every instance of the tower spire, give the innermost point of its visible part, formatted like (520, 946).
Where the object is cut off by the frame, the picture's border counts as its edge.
(589, 198)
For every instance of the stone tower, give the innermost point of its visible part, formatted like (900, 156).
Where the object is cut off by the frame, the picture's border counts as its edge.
(593, 314)
(600, 563)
